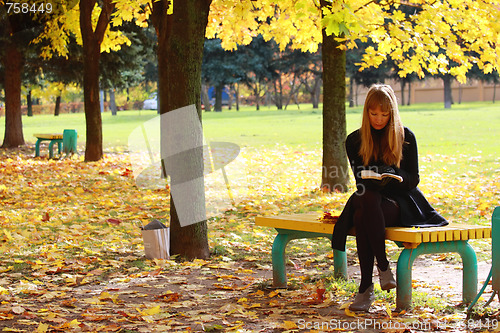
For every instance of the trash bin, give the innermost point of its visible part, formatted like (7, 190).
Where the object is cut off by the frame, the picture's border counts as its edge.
(69, 141)
(156, 237)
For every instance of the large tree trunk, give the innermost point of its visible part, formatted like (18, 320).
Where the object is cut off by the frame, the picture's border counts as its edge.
(92, 40)
(335, 176)
(180, 48)
(93, 120)
(13, 62)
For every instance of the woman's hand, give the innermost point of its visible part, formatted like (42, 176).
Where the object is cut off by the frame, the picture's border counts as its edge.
(386, 169)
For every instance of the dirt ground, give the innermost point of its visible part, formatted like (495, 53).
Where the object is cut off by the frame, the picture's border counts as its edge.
(232, 296)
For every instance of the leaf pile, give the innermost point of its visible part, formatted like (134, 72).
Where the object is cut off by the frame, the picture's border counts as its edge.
(74, 260)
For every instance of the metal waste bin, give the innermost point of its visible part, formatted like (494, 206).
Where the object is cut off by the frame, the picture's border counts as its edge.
(69, 141)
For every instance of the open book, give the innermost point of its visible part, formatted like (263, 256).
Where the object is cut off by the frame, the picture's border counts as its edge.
(370, 174)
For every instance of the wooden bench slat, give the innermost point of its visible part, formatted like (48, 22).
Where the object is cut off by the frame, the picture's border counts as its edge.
(303, 222)
(52, 136)
(310, 223)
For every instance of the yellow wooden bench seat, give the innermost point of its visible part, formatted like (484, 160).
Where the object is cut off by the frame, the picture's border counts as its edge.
(416, 241)
(49, 136)
(310, 222)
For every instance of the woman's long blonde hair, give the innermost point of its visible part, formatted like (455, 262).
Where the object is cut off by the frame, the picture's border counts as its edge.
(390, 149)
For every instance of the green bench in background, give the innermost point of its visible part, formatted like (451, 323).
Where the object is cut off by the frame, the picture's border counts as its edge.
(66, 140)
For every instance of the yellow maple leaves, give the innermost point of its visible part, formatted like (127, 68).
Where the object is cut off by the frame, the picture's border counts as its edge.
(439, 37)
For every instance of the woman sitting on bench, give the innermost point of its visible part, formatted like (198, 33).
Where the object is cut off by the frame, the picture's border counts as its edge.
(384, 146)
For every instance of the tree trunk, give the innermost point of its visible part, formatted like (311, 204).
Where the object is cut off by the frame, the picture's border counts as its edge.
(316, 92)
(278, 93)
(29, 104)
(460, 91)
(335, 176)
(180, 48)
(93, 148)
(494, 91)
(112, 101)
(237, 94)
(409, 93)
(204, 98)
(402, 84)
(448, 98)
(257, 96)
(218, 98)
(13, 62)
(229, 97)
(57, 108)
(92, 40)
(351, 93)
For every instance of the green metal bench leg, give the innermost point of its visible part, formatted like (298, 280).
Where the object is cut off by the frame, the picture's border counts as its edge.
(495, 250)
(279, 260)
(51, 146)
(279, 253)
(37, 148)
(340, 264)
(469, 279)
(408, 256)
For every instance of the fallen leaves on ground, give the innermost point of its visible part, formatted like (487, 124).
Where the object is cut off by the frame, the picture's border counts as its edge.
(74, 260)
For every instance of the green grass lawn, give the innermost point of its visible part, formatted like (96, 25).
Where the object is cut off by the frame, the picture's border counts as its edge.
(467, 128)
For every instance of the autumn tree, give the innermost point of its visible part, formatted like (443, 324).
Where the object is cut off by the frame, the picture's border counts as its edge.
(89, 23)
(220, 68)
(92, 39)
(20, 23)
(60, 72)
(16, 31)
(124, 68)
(257, 65)
(181, 33)
(456, 26)
(311, 77)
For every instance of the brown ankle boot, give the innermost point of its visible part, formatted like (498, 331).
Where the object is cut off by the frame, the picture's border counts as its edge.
(386, 279)
(363, 301)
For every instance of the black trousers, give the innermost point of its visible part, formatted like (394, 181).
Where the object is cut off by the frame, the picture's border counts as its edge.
(372, 213)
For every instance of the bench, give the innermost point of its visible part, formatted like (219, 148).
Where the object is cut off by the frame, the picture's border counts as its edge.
(66, 140)
(415, 241)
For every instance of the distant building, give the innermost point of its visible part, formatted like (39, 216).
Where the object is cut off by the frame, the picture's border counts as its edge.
(432, 91)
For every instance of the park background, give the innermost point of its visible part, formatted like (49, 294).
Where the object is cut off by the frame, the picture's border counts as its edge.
(74, 258)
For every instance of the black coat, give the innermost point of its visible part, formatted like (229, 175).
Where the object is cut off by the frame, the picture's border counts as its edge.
(415, 210)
